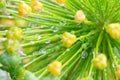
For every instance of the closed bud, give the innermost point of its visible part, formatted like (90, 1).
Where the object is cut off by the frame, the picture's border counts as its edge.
(36, 5)
(14, 33)
(11, 46)
(68, 39)
(114, 30)
(80, 16)
(100, 61)
(60, 1)
(24, 9)
(55, 68)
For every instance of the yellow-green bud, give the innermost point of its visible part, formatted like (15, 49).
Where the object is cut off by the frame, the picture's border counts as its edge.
(55, 68)
(68, 39)
(114, 30)
(36, 5)
(100, 61)
(80, 16)
(24, 9)
(11, 46)
(14, 33)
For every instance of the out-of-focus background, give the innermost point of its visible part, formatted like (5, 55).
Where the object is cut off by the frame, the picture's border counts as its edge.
(4, 75)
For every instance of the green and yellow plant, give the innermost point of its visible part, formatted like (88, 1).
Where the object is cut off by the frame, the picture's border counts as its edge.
(61, 39)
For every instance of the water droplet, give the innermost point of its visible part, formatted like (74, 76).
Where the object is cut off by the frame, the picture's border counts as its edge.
(68, 49)
(43, 51)
(73, 32)
(55, 29)
(38, 36)
(113, 65)
(84, 54)
(47, 42)
(20, 51)
(63, 23)
(32, 42)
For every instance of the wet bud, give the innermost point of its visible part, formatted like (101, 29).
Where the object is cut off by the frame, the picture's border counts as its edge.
(14, 33)
(114, 30)
(11, 46)
(100, 61)
(118, 71)
(36, 5)
(60, 1)
(80, 16)
(24, 9)
(55, 68)
(68, 39)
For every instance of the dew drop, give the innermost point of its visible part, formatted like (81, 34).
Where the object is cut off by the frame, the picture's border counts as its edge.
(43, 51)
(67, 49)
(32, 42)
(38, 36)
(47, 42)
(55, 29)
(113, 65)
(84, 54)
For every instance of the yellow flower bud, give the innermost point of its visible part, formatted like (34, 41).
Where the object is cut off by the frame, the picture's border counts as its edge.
(55, 68)
(11, 46)
(24, 9)
(80, 16)
(68, 39)
(36, 5)
(114, 30)
(60, 1)
(100, 61)
(14, 33)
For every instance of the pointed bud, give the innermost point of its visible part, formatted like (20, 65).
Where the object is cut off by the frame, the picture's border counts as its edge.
(68, 39)
(100, 61)
(55, 68)
(80, 16)
(24, 9)
(36, 5)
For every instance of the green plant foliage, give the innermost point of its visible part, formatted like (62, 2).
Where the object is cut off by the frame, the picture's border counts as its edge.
(42, 41)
